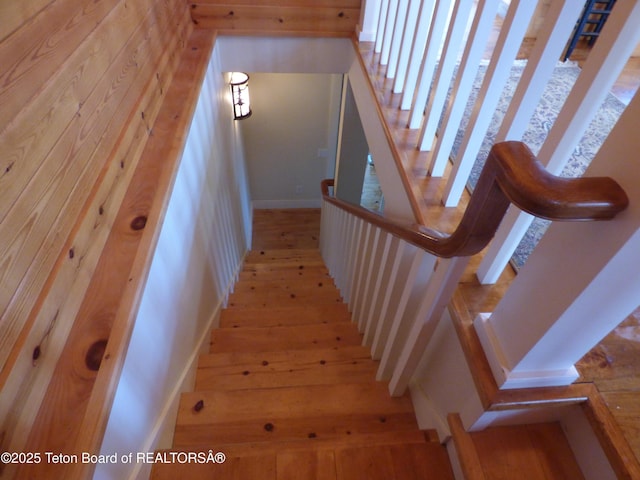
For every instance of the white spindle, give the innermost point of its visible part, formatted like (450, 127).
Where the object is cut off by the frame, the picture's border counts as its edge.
(474, 49)
(382, 18)
(366, 299)
(367, 237)
(435, 299)
(442, 80)
(388, 32)
(405, 47)
(370, 315)
(397, 251)
(350, 256)
(412, 275)
(417, 50)
(401, 19)
(358, 283)
(429, 59)
(515, 26)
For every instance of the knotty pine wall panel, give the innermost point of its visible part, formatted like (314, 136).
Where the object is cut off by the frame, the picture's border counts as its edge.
(82, 83)
(337, 18)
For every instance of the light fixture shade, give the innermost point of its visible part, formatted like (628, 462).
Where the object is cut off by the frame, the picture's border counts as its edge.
(240, 94)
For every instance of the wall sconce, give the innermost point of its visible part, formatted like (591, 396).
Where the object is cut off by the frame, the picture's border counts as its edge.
(240, 94)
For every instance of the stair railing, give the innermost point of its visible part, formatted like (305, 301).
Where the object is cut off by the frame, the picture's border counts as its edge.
(397, 279)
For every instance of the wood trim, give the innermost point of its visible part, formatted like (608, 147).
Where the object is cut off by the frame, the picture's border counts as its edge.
(610, 437)
(337, 20)
(114, 292)
(615, 446)
(466, 450)
(512, 174)
(393, 145)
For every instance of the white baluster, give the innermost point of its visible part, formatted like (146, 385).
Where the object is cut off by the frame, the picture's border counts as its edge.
(377, 250)
(429, 59)
(382, 18)
(397, 251)
(357, 281)
(515, 26)
(372, 316)
(405, 47)
(366, 296)
(417, 51)
(414, 279)
(401, 19)
(388, 32)
(474, 49)
(444, 73)
(435, 299)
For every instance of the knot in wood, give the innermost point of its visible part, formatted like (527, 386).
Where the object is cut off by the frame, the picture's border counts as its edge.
(94, 355)
(139, 222)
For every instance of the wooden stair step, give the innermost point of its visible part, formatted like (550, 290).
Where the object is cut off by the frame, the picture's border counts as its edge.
(296, 257)
(270, 429)
(534, 451)
(280, 316)
(279, 274)
(272, 296)
(235, 371)
(399, 461)
(301, 286)
(290, 413)
(264, 339)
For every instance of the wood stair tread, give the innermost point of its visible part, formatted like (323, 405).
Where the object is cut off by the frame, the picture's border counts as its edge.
(238, 370)
(396, 461)
(241, 317)
(290, 402)
(263, 339)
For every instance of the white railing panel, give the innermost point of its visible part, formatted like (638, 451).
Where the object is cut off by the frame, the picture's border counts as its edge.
(396, 253)
(435, 299)
(401, 19)
(417, 51)
(453, 44)
(468, 69)
(370, 315)
(515, 26)
(358, 260)
(429, 59)
(389, 26)
(414, 277)
(367, 238)
(405, 47)
(365, 300)
(350, 252)
(382, 18)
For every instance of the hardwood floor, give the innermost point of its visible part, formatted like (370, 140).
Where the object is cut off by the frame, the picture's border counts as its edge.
(287, 390)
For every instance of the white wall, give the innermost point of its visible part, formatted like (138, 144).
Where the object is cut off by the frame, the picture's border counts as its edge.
(290, 138)
(201, 245)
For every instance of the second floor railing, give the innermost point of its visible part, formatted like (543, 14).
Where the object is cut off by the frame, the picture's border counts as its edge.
(398, 279)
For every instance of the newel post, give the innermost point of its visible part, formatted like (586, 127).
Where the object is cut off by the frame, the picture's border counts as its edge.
(579, 284)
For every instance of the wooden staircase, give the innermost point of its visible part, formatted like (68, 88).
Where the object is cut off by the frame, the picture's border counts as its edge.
(289, 392)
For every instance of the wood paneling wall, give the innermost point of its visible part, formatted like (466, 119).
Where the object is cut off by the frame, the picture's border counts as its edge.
(302, 17)
(81, 84)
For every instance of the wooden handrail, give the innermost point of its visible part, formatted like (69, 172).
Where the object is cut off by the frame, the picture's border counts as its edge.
(512, 174)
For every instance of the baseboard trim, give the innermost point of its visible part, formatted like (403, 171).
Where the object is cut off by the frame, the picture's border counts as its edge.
(302, 203)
